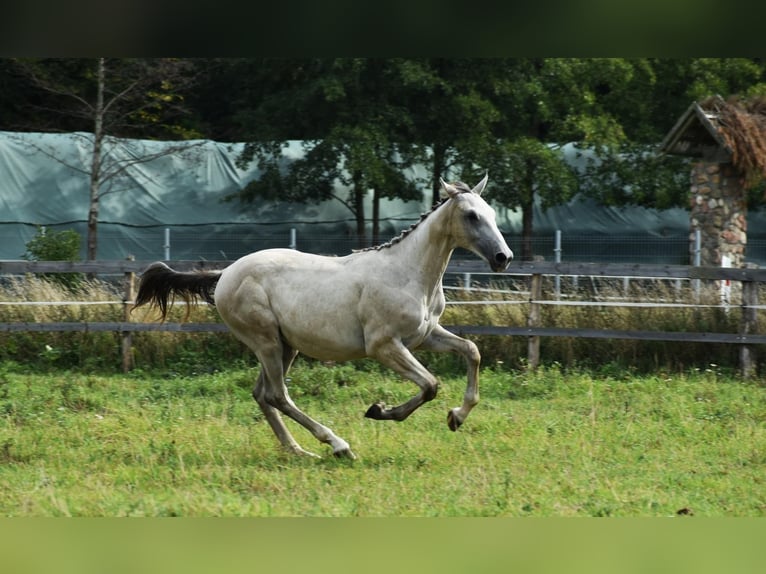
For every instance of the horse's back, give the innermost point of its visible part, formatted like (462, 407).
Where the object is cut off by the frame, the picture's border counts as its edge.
(281, 270)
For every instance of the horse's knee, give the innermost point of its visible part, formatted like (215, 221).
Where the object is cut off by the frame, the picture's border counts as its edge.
(472, 352)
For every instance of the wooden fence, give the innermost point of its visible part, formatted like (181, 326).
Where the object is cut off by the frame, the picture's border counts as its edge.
(747, 336)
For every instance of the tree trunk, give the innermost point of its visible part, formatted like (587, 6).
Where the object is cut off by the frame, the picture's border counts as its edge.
(375, 217)
(527, 212)
(359, 210)
(95, 166)
(437, 171)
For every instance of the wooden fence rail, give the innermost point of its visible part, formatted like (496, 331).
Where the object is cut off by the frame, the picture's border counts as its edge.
(746, 338)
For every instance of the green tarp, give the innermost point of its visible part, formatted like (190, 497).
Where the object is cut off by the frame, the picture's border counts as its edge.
(44, 181)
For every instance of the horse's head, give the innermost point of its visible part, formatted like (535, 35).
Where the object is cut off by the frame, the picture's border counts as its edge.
(473, 224)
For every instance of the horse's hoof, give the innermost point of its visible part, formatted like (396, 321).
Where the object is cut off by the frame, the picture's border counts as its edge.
(344, 453)
(375, 412)
(452, 421)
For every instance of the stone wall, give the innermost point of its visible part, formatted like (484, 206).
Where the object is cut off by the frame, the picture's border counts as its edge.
(718, 210)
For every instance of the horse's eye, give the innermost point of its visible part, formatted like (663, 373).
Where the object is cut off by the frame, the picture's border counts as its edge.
(472, 216)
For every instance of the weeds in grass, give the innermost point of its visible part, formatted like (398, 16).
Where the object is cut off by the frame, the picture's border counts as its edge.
(101, 351)
(187, 353)
(644, 356)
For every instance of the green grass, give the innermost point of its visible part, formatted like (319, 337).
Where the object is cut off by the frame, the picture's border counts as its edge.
(556, 442)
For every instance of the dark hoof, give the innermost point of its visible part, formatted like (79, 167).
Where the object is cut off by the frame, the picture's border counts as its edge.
(452, 422)
(375, 412)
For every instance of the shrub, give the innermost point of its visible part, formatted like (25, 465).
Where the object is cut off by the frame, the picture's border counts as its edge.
(56, 246)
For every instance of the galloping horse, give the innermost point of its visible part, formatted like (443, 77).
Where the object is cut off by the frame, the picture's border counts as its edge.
(382, 302)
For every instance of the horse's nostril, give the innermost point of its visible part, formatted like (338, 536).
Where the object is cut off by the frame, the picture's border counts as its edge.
(502, 260)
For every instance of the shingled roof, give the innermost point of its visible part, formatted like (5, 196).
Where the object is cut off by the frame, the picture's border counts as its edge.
(721, 131)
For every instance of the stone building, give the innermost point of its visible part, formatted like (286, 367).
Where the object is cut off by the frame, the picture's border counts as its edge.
(728, 139)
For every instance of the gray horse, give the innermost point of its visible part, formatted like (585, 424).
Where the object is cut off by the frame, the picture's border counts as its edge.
(383, 302)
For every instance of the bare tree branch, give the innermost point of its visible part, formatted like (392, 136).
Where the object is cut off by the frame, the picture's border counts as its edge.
(125, 91)
(120, 167)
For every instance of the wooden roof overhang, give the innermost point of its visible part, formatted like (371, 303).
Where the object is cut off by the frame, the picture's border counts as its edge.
(696, 135)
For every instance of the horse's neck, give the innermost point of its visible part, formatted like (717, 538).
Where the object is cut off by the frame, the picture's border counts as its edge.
(426, 251)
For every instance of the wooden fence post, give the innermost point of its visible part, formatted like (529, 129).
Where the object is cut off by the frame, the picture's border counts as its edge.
(533, 320)
(748, 325)
(127, 305)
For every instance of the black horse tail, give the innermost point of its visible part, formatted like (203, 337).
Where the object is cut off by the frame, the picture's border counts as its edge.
(159, 283)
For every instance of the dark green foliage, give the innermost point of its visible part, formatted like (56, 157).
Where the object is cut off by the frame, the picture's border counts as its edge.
(49, 245)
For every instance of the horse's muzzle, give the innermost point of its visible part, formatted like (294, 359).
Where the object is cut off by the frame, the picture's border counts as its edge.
(501, 260)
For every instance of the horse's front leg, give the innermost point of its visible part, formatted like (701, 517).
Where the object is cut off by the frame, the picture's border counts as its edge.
(441, 340)
(396, 356)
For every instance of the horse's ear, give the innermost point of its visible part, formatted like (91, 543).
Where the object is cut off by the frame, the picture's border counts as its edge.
(451, 190)
(481, 185)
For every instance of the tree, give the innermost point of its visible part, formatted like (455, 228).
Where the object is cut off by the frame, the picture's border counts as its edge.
(352, 122)
(616, 111)
(542, 104)
(463, 117)
(510, 116)
(106, 99)
(450, 116)
(629, 170)
(523, 169)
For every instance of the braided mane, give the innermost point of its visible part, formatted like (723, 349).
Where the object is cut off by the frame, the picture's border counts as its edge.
(462, 187)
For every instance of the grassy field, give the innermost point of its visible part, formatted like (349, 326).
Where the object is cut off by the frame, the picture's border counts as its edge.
(555, 442)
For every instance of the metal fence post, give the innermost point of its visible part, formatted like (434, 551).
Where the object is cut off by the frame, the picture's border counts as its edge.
(166, 245)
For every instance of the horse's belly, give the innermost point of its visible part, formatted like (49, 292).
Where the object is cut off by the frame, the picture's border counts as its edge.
(319, 330)
(327, 343)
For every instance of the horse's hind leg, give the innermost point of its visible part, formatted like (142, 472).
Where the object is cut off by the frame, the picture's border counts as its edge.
(274, 394)
(275, 420)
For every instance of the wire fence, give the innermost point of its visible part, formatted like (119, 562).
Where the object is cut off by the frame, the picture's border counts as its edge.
(213, 242)
(597, 248)
(192, 244)
(531, 284)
